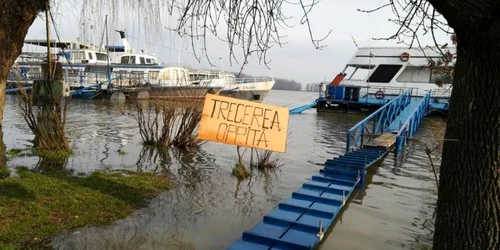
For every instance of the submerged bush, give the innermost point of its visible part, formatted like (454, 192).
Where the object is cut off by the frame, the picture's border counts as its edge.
(169, 123)
(265, 160)
(46, 116)
(240, 172)
(239, 169)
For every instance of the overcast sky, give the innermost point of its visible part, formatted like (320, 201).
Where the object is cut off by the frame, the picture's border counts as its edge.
(298, 59)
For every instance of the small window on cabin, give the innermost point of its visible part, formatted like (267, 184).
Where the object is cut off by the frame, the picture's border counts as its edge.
(124, 60)
(166, 75)
(90, 56)
(148, 60)
(384, 73)
(101, 56)
(415, 74)
(142, 60)
(132, 60)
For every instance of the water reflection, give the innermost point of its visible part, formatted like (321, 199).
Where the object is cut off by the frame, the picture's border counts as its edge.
(51, 165)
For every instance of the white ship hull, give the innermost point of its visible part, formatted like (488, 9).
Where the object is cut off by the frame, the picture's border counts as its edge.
(251, 91)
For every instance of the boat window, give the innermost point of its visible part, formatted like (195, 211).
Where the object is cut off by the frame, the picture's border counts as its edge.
(165, 75)
(384, 73)
(415, 74)
(90, 56)
(101, 56)
(142, 60)
(132, 60)
(174, 75)
(358, 72)
(124, 60)
(148, 60)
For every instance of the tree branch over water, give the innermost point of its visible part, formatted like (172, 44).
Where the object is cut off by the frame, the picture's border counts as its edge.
(254, 26)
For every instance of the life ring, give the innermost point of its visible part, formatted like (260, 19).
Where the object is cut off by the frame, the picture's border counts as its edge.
(405, 56)
(379, 94)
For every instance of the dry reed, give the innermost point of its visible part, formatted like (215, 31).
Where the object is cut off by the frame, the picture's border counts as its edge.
(169, 123)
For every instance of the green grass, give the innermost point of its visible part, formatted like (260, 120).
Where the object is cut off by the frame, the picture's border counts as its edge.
(53, 154)
(35, 206)
(4, 173)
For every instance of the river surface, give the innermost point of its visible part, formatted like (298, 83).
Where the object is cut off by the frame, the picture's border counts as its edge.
(209, 209)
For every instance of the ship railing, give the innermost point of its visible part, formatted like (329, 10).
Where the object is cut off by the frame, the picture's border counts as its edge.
(377, 122)
(251, 80)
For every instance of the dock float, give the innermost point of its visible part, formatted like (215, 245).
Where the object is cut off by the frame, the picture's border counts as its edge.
(300, 222)
(302, 108)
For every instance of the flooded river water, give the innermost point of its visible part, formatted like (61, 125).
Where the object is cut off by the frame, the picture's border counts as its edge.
(209, 209)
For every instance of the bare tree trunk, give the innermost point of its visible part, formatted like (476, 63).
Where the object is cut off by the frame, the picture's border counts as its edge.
(15, 19)
(468, 207)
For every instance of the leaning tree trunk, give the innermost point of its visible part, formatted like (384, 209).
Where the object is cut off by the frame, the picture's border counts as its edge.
(16, 16)
(468, 207)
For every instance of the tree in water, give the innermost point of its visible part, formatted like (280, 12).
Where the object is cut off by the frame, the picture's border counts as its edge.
(468, 207)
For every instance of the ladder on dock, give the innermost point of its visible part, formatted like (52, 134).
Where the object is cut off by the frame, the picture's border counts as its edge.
(301, 221)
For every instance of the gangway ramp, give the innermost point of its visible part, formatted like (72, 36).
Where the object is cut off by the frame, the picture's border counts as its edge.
(300, 222)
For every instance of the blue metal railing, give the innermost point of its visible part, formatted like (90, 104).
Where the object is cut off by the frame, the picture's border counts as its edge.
(410, 126)
(378, 121)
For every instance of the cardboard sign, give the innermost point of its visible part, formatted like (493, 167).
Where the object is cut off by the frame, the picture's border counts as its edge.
(244, 123)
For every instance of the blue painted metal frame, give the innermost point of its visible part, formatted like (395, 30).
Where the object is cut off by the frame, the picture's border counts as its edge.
(379, 120)
(411, 125)
(301, 221)
(302, 108)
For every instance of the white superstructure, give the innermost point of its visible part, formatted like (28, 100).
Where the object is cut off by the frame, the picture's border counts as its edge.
(390, 69)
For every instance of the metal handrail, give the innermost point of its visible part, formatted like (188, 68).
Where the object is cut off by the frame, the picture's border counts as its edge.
(410, 126)
(251, 80)
(381, 119)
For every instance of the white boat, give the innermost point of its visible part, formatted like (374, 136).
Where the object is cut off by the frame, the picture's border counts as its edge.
(252, 89)
(87, 65)
(379, 72)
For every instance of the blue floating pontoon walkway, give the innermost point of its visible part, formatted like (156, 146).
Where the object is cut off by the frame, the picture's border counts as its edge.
(301, 221)
(302, 108)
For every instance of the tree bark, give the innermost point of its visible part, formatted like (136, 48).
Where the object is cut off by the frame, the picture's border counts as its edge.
(468, 207)
(15, 19)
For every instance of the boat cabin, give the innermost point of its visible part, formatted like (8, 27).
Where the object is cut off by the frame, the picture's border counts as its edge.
(173, 76)
(136, 59)
(391, 69)
(66, 51)
(212, 77)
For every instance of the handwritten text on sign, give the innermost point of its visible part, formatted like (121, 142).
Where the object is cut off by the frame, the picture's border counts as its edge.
(245, 123)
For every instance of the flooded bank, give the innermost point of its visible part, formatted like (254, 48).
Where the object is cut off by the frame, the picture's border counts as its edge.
(209, 209)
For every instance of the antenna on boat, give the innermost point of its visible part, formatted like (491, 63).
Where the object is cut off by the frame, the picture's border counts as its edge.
(47, 27)
(179, 54)
(108, 70)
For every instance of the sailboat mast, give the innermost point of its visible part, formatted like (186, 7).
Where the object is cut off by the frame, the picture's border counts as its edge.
(47, 27)
(107, 50)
